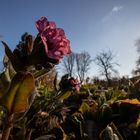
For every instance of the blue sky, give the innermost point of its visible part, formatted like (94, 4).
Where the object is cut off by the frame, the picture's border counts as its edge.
(90, 25)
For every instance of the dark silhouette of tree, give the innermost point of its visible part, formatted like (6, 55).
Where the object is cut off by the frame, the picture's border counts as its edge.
(136, 71)
(137, 44)
(83, 61)
(68, 64)
(105, 61)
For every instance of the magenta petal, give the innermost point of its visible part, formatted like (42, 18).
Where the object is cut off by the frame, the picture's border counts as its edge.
(61, 32)
(42, 24)
(52, 25)
(55, 42)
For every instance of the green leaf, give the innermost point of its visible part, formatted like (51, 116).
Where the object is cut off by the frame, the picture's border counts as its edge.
(110, 133)
(107, 134)
(13, 58)
(104, 113)
(78, 120)
(4, 82)
(84, 108)
(16, 98)
(64, 95)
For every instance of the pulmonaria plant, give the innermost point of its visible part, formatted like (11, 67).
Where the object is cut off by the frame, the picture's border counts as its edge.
(75, 84)
(69, 83)
(55, 42)
(30, 55)
(46, 50)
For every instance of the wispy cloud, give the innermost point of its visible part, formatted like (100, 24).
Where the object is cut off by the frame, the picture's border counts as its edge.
(116, 8)
(113, 11)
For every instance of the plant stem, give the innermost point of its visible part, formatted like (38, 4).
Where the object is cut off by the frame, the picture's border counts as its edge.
(7, 128)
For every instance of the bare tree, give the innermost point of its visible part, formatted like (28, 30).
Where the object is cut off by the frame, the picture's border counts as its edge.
(136, 71)
(137, 44)
(83, 61)
(68, 63)
(105, 60)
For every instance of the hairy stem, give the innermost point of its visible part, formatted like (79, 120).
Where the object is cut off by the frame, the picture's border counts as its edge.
(7, 128)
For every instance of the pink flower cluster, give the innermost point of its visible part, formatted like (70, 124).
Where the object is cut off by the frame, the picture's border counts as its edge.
(75, 84)
(54, 39)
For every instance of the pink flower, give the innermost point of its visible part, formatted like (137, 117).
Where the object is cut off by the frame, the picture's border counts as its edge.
(54, 39)
(75, 84)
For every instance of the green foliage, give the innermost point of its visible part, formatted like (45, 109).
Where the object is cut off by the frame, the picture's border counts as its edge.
(77, 118)
(84, 108)
(64, 113)
(16, 98)
(110, 133)
(17, 65)
(104, 113)
(64, 96)
(119, 95)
